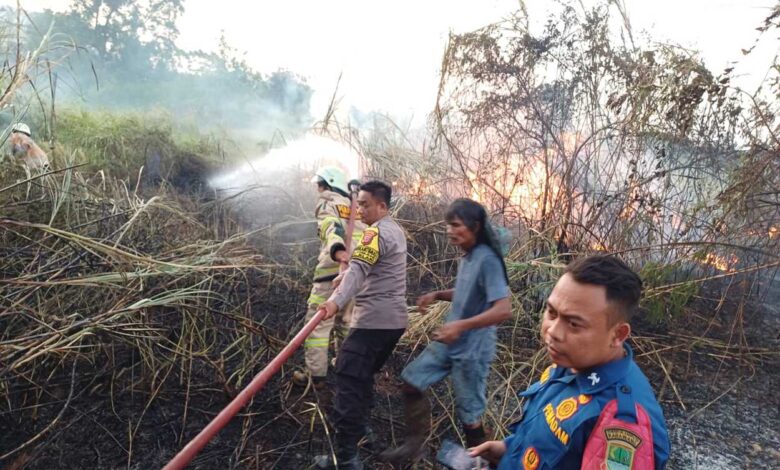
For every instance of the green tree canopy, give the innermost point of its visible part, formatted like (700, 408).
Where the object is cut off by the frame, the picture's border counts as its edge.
(123, 54)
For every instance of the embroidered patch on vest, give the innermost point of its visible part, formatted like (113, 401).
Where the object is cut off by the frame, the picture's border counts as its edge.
(621, 447)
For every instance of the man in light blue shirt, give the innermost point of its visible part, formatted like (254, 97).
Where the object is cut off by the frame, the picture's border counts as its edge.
(465, 345)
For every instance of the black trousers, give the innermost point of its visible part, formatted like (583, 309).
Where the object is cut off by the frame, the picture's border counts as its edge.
(362, 354)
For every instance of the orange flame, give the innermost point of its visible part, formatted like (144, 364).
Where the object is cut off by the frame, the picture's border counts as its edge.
(774, 232)
(632, 205)
(530, 189)
(417, 186)
(527, 184)
(720, 263)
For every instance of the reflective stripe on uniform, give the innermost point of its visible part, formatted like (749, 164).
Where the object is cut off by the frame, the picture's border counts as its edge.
(316, 343)
(322, 272)
(315, 299)
(325, 225)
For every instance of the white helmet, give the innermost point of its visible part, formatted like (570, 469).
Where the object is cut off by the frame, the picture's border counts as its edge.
(333, 177)
(23, 128)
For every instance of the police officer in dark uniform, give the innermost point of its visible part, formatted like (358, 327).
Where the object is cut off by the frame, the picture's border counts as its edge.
(593, 407)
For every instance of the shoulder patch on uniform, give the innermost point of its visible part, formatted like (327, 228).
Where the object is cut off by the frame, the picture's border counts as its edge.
(369, 235)
(530, 459)
(621, 447)
(368, 249)
(343, 211)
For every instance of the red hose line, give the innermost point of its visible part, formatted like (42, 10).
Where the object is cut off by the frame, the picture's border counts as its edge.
(199, 442)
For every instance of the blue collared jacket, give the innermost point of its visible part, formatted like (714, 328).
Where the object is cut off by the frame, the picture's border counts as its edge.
(561, 410)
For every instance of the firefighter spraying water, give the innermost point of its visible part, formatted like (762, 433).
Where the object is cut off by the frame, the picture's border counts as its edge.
(334, 214)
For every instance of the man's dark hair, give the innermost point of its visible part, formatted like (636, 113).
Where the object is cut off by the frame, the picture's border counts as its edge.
(378, 190)
(624, 287)
(474, 217)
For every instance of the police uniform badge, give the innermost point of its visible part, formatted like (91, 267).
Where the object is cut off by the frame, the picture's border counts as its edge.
(368, 249)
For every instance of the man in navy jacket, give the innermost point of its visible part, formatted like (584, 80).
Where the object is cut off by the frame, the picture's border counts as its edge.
(584, 328)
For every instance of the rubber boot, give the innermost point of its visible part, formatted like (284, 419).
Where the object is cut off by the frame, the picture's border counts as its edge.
(417, 413)
(301, 379)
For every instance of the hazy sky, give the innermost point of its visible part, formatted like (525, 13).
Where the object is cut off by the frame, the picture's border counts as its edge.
(390, 52)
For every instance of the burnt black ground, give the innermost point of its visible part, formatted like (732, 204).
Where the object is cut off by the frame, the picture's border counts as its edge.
(730, 420)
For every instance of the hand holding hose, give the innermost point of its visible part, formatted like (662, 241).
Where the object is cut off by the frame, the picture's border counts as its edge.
(330, 309)
(342, 257)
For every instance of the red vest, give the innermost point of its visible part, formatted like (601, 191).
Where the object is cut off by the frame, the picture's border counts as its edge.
(620, 444)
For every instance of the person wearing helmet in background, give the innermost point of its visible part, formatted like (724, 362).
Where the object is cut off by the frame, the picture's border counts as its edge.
(332, 214)
(24, 149)
(23, 128)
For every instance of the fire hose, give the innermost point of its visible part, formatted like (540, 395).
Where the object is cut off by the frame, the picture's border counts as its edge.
(197, 444)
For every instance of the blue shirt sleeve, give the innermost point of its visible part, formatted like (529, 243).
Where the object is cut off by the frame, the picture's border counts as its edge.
(493, 279)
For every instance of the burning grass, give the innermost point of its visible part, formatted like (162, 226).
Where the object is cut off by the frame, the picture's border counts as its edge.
(132, 308)
(142, 316)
